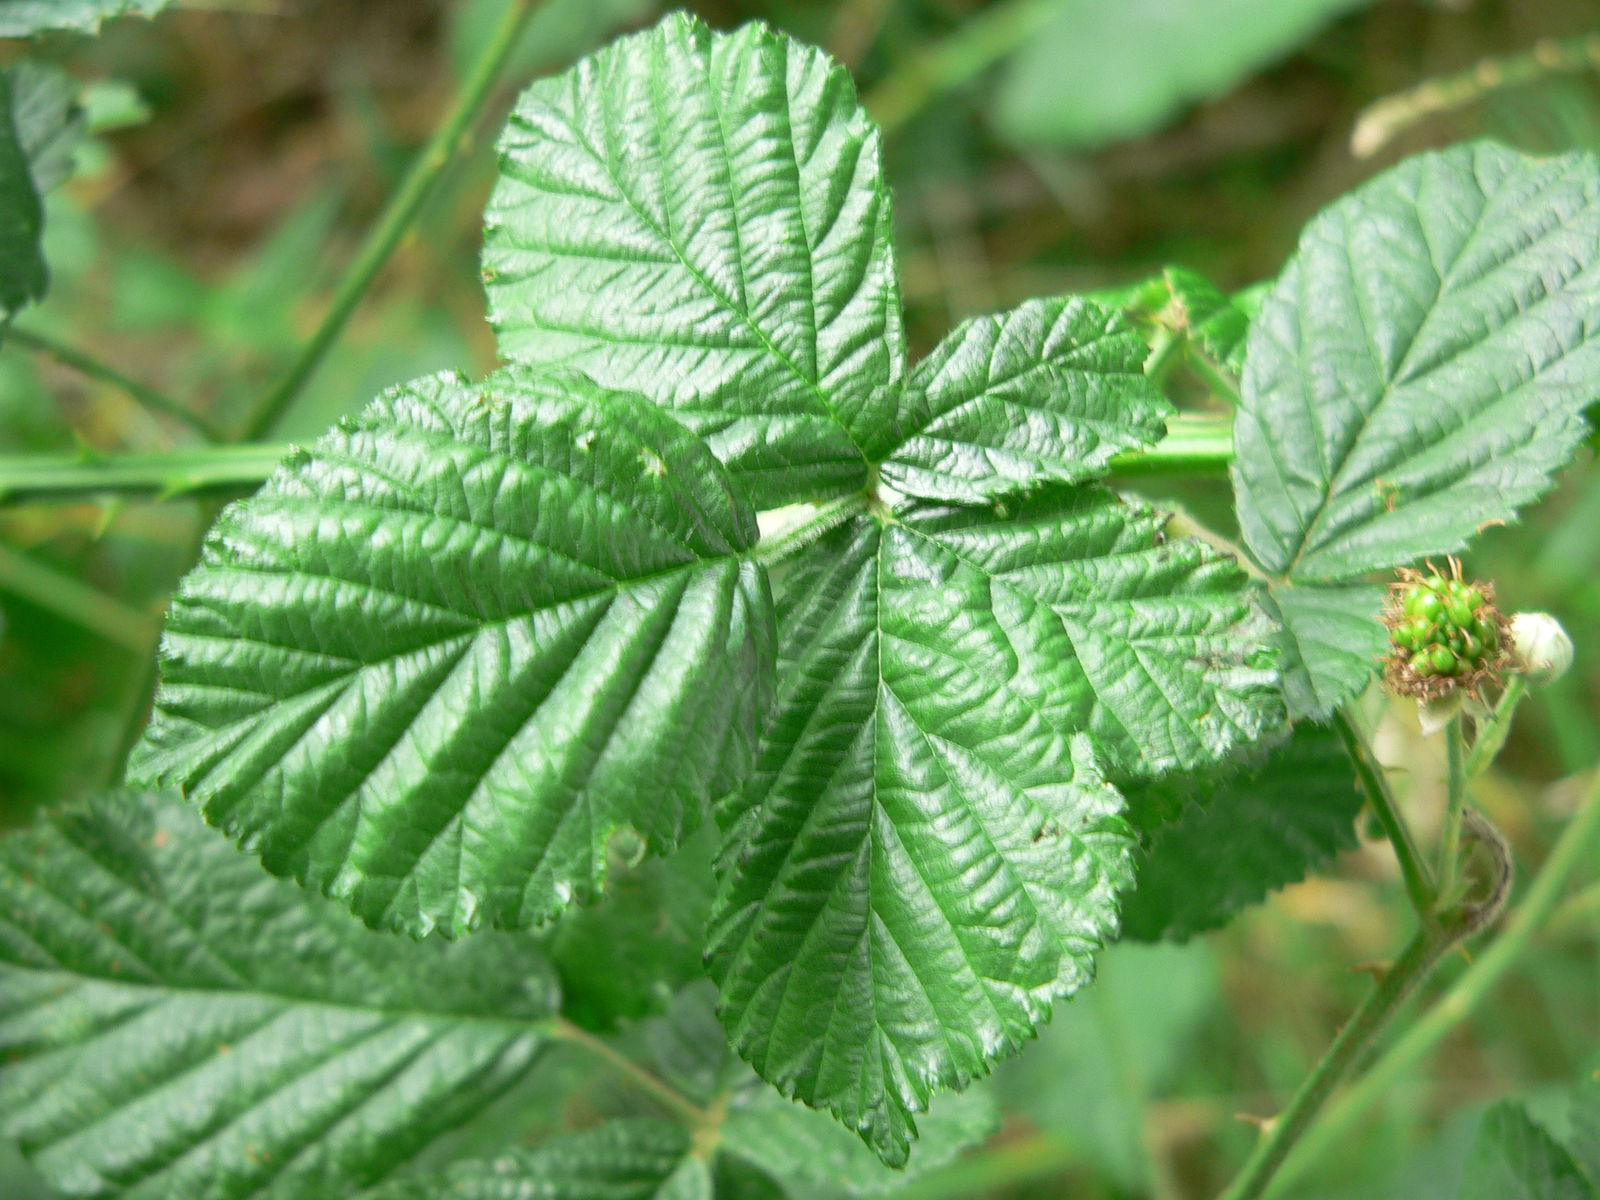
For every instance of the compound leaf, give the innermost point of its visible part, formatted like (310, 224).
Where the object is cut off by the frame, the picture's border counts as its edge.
(928, 853)
(1136, 64)
(175, 1022)
(447, 653)
(1046, 392)
(25, 18)
(1515, 1159)
(629, 1159)
(1240, 835)
(1423, 363)
(700, 217)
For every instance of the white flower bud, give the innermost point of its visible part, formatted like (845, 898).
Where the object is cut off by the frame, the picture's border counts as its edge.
(1541, 647)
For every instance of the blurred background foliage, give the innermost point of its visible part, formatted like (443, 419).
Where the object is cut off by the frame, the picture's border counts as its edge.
(237, 149)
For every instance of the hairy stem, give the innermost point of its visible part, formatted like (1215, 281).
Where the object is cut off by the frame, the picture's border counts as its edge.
(396, 218)
(90, 366)
(1576, 846)
(1369, 772)
(1455, 751)
(664, 1094)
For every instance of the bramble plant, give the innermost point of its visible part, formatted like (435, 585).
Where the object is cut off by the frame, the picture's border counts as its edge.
(710, 626)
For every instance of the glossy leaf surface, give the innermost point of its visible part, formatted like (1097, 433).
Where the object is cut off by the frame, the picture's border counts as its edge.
(1046, 392)
(700, 217)
(176, 1022)
(448, 652)
(1419, 370)
(928, 853)
(1422, 364)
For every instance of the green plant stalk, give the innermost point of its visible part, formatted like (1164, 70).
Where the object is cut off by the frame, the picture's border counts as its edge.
(1493, 730)
(396, 218)
(75, 601)
(974, 46)
(1216, 377)
(69, 478)
(1194, 445)
(668, 1097)
(1418, 879)
(1576, 845)
(1455, 751)
(87, 364)
(1284, 1130)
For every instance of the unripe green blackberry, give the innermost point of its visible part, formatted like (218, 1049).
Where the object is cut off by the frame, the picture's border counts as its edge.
(1445, 633)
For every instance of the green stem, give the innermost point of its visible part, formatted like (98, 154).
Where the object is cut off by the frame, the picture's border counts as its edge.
(1352, 1042)
(62, 478)
(975, 45)
(788, 542)
(668, 1097)
(1577, 845)
(1369, 772)
(396, 218)
(88, 365)
(75, 601)
(1216, 377)
(1493, 730)
(1195, 444)
(1455, 751)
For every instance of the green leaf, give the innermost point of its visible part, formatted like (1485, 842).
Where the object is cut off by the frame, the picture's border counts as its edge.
(25, 18)
(632, 1159)
(1515, 1159)
(40, 124)
(928, 854)
(812, 1157)
(175, 1022)
(699, 217)
(1214, 321)
(1240, 835)
(445, 655)
(1331, 641)
(1585, 1139)
(1423, 363)
(1134, 65)
(1046, 392)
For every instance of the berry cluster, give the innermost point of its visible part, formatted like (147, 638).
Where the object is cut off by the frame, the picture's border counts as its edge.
(1445, 633)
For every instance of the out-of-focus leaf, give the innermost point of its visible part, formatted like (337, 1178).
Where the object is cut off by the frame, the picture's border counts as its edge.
(25, 18)
(1515, 1159)
(1098, 72)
